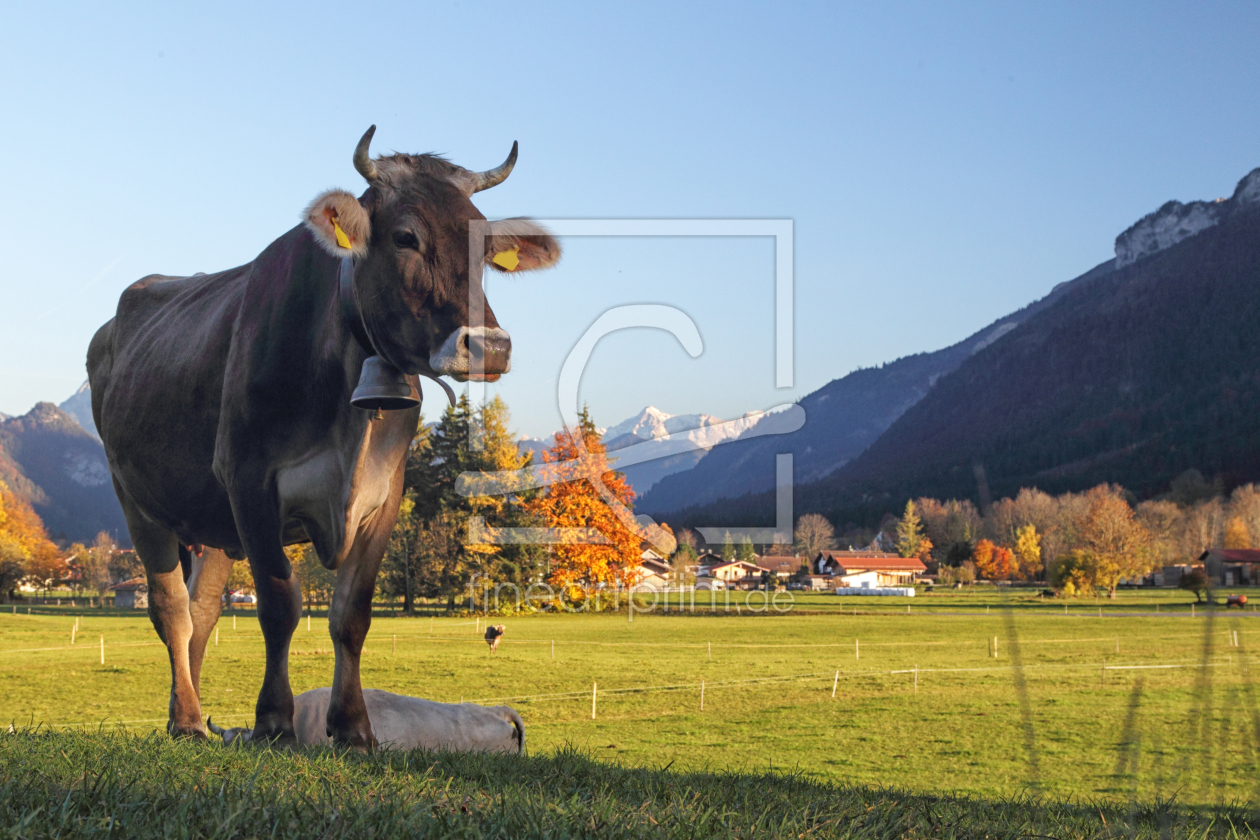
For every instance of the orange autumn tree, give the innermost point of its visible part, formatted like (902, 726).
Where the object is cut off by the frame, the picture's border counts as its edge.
(993, 562)
(576, 503)
(25, 550)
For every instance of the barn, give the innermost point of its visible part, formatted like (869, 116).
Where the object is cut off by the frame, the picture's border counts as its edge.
(131, 594)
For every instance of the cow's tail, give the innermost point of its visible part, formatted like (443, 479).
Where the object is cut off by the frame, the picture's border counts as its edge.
(512, 716)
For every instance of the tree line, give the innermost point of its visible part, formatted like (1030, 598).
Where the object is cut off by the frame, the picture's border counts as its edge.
(1077, 542)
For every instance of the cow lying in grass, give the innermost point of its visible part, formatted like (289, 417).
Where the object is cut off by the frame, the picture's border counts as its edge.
(406, 723)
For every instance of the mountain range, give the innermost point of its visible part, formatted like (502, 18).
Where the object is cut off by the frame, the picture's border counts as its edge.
(662, 433)
(1138, 370)
(48, 458)
(1142, 367)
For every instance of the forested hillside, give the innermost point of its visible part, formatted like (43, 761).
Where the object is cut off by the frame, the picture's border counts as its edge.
(842, 419)
(1131, 378)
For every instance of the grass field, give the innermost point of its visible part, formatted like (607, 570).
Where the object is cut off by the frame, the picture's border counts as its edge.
(77, 785)
(1173, 716)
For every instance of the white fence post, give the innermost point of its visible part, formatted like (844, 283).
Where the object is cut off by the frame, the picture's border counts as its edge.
(594, 689)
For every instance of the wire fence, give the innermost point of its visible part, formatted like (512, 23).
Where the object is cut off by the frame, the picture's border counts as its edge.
(1221, 644)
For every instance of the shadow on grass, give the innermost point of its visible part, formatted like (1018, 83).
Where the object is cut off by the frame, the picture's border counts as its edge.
(74, 784)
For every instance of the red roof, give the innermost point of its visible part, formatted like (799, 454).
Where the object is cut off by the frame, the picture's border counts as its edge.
(877, 561)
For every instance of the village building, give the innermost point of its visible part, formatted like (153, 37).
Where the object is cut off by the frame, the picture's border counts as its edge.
(891, 570)
(131, 594)
(653, 571)
(730, 572)
(780, 566)
(1231, 566)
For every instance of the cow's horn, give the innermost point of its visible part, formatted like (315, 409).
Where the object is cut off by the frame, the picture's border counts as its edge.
(364, 165)
(217, 730)
(494, 177)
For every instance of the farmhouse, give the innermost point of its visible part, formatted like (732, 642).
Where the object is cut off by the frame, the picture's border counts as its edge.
(1231, 566)
(653, 571)
(131, 594)
(779, 566)
(889, 569)
(730, 572)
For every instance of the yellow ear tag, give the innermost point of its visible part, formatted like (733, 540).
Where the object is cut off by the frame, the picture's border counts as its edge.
(342, 239)
(507, 259)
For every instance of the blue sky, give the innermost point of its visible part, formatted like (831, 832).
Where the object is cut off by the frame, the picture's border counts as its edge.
(943, 164)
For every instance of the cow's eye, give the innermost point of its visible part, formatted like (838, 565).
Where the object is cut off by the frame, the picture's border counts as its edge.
(406, 239)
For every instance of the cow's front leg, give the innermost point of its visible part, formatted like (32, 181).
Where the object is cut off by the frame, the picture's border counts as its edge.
(168, 610)
(205, 586)
(350, 618)
(279, 609)
(348, 622)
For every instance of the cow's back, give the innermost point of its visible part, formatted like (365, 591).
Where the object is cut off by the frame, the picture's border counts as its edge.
(156, 372)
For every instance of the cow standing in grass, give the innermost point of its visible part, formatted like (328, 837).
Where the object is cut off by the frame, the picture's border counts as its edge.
(223, 401)
(493, 633)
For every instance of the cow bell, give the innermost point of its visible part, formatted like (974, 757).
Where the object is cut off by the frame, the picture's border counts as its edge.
(383, 387)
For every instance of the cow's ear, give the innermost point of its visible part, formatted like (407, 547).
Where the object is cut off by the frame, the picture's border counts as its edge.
(340, 224)
(520, 245)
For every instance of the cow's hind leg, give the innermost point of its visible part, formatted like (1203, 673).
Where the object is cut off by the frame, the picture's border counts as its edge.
(168, 610)
(209, 576)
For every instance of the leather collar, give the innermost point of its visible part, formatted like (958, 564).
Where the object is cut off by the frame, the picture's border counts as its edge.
(352, 316)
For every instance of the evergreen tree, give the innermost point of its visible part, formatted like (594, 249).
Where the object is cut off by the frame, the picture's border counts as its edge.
(429, 553)
(910, 532)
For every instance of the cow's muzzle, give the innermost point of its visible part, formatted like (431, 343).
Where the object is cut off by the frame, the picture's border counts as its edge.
(478, 353)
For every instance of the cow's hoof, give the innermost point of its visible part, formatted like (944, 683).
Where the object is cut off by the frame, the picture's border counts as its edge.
(187, 730)
(280, 740)
(356, 742)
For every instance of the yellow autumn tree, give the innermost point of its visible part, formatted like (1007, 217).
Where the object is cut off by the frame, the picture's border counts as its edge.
(1028, 551)
(1237, 534)
(576, 503)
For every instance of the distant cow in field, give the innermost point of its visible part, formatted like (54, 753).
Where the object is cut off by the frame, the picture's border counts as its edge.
(406, 723)
(1239, 601)
(492, 636)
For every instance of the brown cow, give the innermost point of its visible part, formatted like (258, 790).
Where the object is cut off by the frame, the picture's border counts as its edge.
(492, 636)
(223, 401)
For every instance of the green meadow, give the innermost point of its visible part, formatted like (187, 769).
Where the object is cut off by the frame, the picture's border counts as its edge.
(985, 692)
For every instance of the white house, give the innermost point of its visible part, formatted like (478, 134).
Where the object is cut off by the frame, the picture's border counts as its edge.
(730, 572)
(653, 571)
(859, 580)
